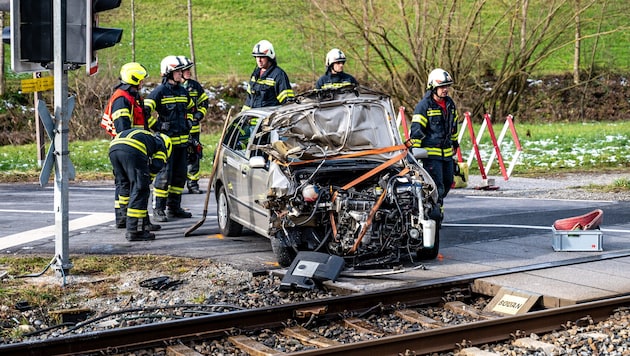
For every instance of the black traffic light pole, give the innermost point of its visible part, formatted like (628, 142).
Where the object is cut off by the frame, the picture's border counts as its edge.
(62, 116)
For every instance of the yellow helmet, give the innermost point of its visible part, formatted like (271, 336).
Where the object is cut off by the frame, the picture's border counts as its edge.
(133, 73)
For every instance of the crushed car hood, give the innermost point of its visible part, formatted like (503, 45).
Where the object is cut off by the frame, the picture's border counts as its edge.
(345, 125)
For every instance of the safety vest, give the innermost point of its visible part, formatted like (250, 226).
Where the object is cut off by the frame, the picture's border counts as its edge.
(107, 123)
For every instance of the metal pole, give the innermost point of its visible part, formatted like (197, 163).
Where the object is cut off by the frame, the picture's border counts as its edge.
(39, 129)
(63, 264)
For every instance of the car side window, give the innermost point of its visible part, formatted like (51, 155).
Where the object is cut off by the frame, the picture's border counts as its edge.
(261, 140)
(238, 133)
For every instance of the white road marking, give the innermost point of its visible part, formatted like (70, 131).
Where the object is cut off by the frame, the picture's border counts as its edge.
(49, 231)
(499, 226)
(525, 198)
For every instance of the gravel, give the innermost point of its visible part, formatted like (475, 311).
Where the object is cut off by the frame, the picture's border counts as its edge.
(226, 288)
(577, 186)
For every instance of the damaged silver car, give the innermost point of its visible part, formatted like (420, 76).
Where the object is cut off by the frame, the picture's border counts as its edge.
(328, 173)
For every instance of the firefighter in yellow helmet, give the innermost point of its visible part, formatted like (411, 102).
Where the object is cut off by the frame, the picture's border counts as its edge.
(434, 127)
(269, 85)
(125, 110)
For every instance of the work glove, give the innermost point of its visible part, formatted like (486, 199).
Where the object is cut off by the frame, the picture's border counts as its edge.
(198, 116)
(457, 171)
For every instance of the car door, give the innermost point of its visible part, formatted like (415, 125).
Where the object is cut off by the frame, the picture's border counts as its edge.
(233, 159)
(257, 184)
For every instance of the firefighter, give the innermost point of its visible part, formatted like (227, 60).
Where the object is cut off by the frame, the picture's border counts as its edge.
(434, 127)
(195, 149)
(123, 111)
(174, 119)
(137, 154)
(269, 85)
(335, 77)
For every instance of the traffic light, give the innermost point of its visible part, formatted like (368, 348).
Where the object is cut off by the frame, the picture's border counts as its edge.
(99, 37)
(32, 37)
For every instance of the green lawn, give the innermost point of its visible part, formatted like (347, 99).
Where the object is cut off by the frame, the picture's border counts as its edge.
(545, 148)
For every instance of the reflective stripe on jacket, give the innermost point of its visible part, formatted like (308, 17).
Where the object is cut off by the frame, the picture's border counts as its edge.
(173, 105)
(271, 89)
(434, 129)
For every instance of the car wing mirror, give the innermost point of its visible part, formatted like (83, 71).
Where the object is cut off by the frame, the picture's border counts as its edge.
(419, 153)
(257, 162)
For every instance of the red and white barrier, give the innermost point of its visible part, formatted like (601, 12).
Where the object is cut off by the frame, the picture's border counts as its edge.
(476, 139)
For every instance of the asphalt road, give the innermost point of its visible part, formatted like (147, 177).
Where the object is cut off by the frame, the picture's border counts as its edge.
(27, 223)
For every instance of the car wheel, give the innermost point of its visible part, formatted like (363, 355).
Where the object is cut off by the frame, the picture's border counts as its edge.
(283, 252)
(430, 253)
(227, 226)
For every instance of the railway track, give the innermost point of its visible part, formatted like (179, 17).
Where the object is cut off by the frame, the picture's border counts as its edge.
(249, 330)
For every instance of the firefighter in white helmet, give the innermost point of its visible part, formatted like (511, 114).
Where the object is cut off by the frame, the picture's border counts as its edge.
(269, 85)
(335, 77)
(174, 119)
(434, 127)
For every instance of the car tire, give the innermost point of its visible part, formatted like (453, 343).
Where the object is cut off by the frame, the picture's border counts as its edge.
(227, 226)
(430, 253)
(284, 253)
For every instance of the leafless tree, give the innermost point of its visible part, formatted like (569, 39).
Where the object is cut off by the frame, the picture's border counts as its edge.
(190, 38)
(491, 48)
(2, 63)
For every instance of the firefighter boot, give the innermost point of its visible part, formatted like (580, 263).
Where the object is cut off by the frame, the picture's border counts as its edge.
(193, 187)
(133, 234)
(159, 213)
(150, 226)
(174, 208)
(121, 217)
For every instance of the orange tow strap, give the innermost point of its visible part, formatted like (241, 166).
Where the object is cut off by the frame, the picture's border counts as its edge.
(349, 155)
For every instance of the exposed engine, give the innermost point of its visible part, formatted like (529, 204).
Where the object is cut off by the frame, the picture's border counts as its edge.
(373, 223)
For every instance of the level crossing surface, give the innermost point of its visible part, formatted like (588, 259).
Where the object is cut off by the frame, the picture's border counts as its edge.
(481, 232)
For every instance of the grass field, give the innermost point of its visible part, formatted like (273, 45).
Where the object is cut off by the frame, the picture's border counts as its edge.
(225, 31)
(557, 147)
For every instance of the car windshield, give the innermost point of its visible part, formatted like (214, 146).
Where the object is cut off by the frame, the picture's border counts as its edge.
(324, 129)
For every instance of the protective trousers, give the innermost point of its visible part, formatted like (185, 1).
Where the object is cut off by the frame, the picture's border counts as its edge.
(132, 178)
(442, 173)
(170, 181)
(193, 165)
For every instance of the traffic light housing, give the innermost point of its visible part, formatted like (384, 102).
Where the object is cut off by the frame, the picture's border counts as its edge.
(32, 33)
(98, 37)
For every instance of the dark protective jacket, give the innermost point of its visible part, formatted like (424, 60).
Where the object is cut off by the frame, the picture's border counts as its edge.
(335, 81)
(173, 106)
(200, 103)
(144, 142)
(271, 89)
(434, 129)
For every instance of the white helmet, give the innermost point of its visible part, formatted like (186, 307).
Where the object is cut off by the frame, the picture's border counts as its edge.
(170, 64)
(335, 55)
(264, 48)
(439, 78)
(186, 62)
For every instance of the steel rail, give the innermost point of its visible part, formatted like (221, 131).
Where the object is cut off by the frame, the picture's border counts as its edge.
(476, 333)
(421, 293)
